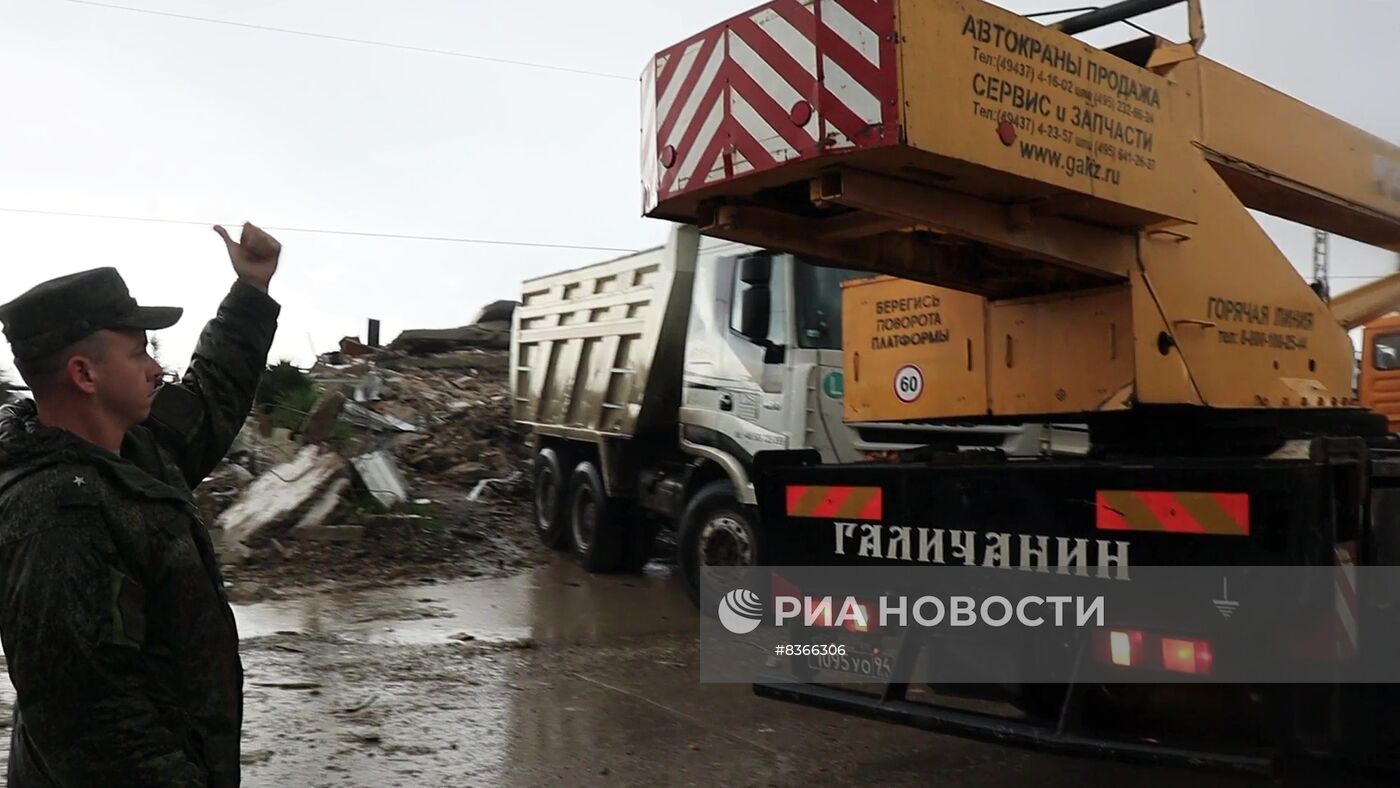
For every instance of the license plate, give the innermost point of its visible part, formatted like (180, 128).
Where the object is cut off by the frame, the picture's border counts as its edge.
(854, 662)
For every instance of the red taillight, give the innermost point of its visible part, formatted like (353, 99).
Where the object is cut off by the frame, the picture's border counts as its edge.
(1133, 648)
(1187, 656)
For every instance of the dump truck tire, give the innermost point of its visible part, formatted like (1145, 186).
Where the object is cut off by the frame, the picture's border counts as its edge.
(716, 530)
(550, 486)
(641, 537)
(594, 527)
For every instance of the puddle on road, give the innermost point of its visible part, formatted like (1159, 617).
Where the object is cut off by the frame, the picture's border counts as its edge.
(558, 602)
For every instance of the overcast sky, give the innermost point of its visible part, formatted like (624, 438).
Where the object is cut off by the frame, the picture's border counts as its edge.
(119, 113)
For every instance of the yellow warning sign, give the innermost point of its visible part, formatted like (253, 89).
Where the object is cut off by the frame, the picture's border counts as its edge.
(913, 351)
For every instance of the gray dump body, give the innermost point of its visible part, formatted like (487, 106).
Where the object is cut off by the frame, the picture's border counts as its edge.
(597, 351)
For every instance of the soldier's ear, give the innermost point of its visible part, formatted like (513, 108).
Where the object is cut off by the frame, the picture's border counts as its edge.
(79, 371)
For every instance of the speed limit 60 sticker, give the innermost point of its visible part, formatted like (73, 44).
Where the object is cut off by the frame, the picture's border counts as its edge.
(908, 383)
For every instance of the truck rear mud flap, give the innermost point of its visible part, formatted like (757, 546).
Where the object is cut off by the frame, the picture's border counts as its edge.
(892, 706)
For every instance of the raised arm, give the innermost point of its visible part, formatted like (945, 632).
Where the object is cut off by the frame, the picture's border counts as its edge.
(197, 419)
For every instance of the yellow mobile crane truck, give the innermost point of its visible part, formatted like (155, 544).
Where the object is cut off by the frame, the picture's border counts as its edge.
(1097, 200)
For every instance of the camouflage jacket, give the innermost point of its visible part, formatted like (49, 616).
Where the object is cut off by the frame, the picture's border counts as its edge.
(117, 631)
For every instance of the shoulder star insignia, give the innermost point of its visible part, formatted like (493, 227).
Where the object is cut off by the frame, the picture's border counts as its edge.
(79, 481)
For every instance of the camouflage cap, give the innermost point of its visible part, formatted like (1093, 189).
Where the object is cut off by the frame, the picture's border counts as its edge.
(59, 312)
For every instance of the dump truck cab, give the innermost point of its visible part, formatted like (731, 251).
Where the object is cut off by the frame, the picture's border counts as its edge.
(763, 358)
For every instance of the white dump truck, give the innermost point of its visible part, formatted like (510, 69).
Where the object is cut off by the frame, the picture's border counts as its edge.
(653, 383)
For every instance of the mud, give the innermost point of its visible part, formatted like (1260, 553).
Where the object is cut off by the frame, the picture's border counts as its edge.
(555, 677)
(449, 538)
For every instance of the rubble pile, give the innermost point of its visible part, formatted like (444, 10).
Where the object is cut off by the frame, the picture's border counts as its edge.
(468, 435)
(407, 462)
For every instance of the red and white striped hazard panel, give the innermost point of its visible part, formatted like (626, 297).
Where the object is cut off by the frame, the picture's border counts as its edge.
(793, 78)
(1220, 513)
(855, 503)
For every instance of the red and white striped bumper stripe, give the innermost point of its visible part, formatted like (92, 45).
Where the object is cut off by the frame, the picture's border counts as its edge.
(792, 78)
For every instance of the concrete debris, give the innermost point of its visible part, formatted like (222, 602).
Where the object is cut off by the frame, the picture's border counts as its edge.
(370, 388)
(497, 312)
(324, 506)
(482, 485)
(220, 489)
(259, 447)
(469, 436)
(361, 416)
(460, 360)
(385, 422)
(494, 335)
(352, 346)
(381, 478)
(281, 493)
(320, 422)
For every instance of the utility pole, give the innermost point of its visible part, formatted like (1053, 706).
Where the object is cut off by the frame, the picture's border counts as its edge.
(1322, 274)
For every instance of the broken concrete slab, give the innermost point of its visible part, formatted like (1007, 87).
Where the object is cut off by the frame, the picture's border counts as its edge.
(281, 493)
(382, 478)
(324, 506)
(424, 341)
(220, 489)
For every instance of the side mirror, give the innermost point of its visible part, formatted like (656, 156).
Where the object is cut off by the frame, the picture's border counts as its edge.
(756, 269)
(754, 307)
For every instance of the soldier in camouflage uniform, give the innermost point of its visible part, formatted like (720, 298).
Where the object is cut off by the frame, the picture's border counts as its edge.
(118, 634)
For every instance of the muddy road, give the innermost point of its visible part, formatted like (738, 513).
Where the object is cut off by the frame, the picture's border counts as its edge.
(555, 677)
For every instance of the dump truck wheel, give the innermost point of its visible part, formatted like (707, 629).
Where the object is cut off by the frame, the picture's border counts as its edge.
(596, 532)
(549, 489)
(716, 530)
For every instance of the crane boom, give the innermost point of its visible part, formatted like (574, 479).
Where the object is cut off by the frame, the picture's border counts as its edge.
(1286, 158)
(1363, 304)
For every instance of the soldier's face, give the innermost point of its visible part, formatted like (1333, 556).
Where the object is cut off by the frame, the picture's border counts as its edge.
(127, 376)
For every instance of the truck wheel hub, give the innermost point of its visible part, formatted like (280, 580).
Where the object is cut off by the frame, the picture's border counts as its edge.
(725, 541)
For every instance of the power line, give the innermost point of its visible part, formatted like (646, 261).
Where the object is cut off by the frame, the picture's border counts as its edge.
(349, 40)
(321, 231)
